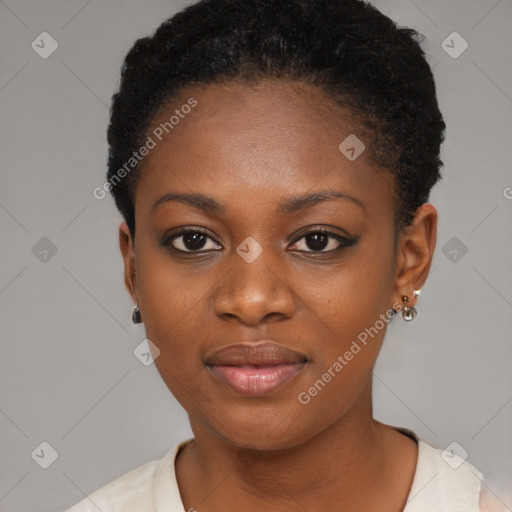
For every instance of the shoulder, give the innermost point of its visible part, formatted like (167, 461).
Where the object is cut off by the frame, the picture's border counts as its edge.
(131, 491)
(135, 491)
(444, 481)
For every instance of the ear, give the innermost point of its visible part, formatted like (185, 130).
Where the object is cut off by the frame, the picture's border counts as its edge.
(127, 246)
(415, 250)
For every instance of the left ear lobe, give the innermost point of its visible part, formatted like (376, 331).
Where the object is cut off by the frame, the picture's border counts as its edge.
(127, 247)
(416, 245)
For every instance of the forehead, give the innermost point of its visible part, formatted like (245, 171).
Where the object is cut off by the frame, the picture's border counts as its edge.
(254, 143)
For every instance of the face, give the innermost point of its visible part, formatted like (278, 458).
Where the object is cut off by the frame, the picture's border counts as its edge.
(281, 238)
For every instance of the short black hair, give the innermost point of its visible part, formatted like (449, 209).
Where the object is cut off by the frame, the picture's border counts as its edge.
(357, 55)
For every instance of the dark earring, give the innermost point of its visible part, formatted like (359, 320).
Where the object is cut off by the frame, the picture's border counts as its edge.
(136, 318)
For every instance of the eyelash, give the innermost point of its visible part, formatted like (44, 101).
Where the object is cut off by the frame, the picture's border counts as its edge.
(344, 242)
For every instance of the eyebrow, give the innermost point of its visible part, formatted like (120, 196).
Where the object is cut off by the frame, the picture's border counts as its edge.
(287, 206)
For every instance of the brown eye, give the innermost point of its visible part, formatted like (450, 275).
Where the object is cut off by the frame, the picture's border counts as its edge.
(319, 240)
(192, 240)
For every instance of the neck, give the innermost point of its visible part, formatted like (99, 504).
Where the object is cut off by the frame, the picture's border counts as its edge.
(347, 463)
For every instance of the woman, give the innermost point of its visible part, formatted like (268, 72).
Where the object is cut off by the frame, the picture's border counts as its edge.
(272, 162)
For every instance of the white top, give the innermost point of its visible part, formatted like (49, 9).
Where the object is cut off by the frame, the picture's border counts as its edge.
(443, 482)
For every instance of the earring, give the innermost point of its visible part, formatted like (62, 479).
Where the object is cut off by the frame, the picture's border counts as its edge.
(408, 314)
(136, 317)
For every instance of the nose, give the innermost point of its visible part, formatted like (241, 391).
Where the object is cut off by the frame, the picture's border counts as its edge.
(251, 292)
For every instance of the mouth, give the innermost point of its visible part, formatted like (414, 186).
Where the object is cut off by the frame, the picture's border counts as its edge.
(255, 369)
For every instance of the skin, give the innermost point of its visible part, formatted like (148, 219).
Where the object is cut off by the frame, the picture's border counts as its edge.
(250, 147)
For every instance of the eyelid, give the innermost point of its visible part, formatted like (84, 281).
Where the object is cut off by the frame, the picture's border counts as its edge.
(322, 228)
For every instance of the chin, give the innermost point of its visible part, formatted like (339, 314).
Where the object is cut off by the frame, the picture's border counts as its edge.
(256, 430)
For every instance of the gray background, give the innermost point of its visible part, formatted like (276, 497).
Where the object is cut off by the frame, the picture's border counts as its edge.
(68, 375)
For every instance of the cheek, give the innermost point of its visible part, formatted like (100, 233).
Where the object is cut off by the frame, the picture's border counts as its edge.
(352, 311)
(169, 291)
(353, 296)
(170, 308)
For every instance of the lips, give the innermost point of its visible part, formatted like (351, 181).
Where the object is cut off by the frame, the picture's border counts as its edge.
(255, 369)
